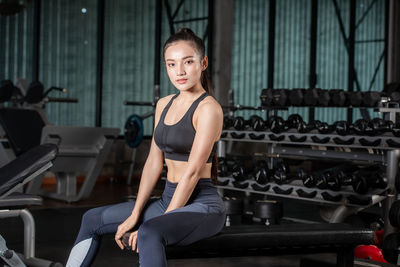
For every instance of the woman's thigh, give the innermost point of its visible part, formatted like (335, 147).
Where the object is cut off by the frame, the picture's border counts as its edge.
(106, 219)
(182, 227)
(212, 204)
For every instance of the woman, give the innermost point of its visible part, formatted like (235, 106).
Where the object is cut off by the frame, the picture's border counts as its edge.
(188, 125)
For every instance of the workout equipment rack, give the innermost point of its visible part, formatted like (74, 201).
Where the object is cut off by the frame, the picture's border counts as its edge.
(345, 201)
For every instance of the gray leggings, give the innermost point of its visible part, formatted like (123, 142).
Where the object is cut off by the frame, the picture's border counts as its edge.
(203, 216)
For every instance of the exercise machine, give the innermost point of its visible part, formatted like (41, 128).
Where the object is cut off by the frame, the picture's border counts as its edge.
(13, 176)
(81, 149)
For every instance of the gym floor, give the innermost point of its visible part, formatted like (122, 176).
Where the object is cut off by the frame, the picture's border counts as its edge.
(57, 224)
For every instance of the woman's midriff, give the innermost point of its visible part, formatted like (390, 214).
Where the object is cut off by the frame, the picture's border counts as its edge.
(176, 170)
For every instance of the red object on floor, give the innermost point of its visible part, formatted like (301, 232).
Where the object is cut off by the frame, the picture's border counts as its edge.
(379, 237)
(369, 252)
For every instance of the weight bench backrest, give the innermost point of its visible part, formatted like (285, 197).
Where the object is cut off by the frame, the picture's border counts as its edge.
(23, 128)
(17, 171)
(78, 137)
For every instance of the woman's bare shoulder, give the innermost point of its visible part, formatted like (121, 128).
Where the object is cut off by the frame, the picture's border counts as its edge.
(162, 102)
(210, 105)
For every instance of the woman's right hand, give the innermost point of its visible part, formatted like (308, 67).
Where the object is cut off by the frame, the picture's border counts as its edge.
(124, 227)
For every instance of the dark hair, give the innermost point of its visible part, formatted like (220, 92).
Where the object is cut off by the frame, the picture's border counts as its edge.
(186, 34)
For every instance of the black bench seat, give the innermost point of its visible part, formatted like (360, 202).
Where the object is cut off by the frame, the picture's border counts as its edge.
(248, 240)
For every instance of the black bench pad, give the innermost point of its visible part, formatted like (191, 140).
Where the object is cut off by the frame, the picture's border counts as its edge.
(25, 165)
(321, 237)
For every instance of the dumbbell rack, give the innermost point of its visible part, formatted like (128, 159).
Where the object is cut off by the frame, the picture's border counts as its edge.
(350, 202)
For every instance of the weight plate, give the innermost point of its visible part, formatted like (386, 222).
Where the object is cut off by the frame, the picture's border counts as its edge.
(134, 131)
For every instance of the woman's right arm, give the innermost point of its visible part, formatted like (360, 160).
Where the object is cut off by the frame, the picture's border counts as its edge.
(150, 175)
(153, 166)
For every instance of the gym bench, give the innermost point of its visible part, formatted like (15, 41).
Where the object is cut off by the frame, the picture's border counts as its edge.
(26, 168)
(80, 150)
(285, 239)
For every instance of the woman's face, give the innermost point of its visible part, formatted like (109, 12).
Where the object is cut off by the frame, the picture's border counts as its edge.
(184, 65)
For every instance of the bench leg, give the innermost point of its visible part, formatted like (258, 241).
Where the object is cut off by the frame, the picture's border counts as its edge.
(345, 257)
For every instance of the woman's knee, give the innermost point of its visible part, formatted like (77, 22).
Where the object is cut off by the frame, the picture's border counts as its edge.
(149, 232)
(91, 219)
(91, 216)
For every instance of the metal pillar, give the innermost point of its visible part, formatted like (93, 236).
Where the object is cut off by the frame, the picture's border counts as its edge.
(364, 112)
(100, 56)
(393, 43)
(222, 45)
(271, 42)
(313, 52)
(36, 39)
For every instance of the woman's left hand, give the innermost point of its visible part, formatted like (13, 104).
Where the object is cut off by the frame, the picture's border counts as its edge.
(133, 241)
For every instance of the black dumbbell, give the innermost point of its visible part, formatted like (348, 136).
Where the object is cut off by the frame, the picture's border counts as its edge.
(368, 178)
(323, 127)
(311, 97)
(296, 97)
(307, 179)
(336, 177)
(330, 180)
(371, 99)
(335, 180)
(392, 90)
(396, 129)
(324, 98)
(355, 98)
(338, 97)
(281, 173)
(276, 124)
(223, 168)
(360, 126)
(305, 127)
(373, 127)
(342, 176)
(228, 121)
(257, 123)
(267, 97)
(342, 127)
(280, 97)
(283, 177)
(293, 121)
(322, 178)
(239, 123)
(261, 173)
(380, 126)
(240, 172)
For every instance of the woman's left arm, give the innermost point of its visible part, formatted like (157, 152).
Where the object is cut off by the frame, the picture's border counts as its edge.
(208, 130)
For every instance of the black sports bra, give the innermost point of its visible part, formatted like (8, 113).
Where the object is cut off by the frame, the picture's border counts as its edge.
(176, 140)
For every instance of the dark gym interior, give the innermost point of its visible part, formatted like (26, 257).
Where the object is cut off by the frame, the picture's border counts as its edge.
(308, 158)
